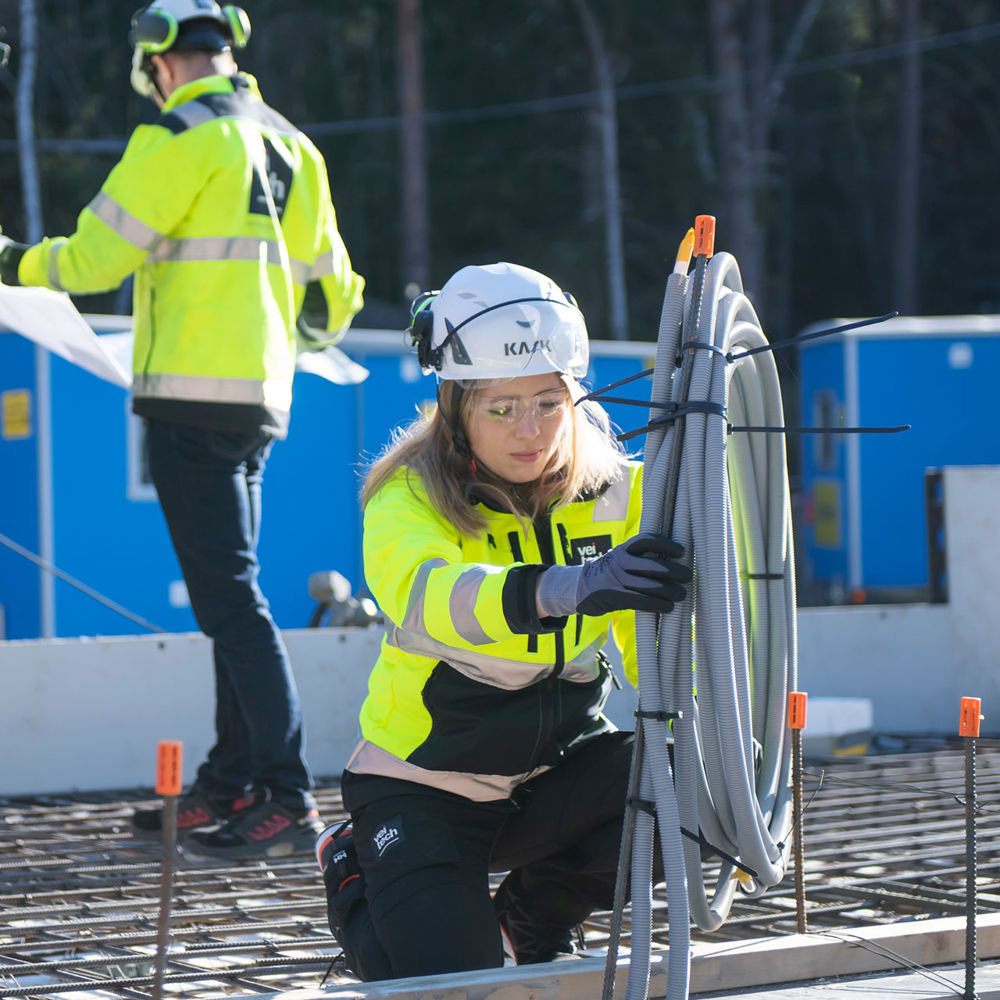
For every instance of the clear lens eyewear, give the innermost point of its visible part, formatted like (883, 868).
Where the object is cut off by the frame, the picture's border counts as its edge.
(510, 409)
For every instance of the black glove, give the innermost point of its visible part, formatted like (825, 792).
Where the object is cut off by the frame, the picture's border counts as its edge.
(10, 256)
(638, 574)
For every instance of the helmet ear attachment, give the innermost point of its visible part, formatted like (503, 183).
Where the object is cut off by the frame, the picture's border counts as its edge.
(421, 332)
(153, 30)
(239, 25)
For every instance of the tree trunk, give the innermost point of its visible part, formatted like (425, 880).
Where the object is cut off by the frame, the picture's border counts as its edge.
(905, 250)
(607, 116)
(738, 169)
(27, 154)
(413, 162)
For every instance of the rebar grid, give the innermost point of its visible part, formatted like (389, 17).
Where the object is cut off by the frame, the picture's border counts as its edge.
(79, 895)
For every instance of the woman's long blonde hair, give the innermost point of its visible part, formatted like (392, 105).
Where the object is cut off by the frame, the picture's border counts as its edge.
(586, 459)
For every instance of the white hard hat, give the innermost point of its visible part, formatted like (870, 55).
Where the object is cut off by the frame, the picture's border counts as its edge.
(496, 321)
(182, 25)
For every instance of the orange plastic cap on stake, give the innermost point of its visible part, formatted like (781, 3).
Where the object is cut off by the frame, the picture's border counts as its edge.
(704, 236)
(797, 709)
(969, 717)
(169, 766)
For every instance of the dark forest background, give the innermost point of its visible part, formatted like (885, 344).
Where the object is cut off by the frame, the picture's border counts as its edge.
(848, 149)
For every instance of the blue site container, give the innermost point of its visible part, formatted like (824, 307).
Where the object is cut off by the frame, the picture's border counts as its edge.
(74, 492)
(863, 529)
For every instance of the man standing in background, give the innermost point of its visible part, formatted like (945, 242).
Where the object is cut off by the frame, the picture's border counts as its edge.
(222, 210)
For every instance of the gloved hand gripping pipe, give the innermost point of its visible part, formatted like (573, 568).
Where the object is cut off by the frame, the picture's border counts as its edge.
(719, 667)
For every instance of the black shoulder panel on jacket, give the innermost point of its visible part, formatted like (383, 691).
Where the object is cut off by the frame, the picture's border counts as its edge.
(233, 105)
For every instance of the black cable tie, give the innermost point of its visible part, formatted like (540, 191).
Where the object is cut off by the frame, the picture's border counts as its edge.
(668, 405)
(703, 345)
(730, 357)
(595, 394)
(692, 406)
(644, 804)
(702, 842)
(733, 429)
(763, 576)
(658, 716)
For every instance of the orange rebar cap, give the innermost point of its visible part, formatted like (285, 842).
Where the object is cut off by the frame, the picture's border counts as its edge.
(704, 236)
(797, 709)
(169, 767)
(969, 717)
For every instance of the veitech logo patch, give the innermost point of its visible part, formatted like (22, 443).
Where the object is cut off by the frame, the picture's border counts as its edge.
(584, 549)
(387, 834)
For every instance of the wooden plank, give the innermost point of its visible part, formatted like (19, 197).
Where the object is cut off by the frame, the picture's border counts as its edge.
(730, 965)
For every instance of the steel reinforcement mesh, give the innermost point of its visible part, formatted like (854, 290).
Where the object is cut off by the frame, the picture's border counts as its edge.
(80, 898)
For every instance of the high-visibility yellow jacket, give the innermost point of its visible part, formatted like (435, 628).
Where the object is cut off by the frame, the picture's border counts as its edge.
(472, 693)
(222, 209)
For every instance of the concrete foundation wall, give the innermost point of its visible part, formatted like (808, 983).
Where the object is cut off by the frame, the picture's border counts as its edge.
(87, 713)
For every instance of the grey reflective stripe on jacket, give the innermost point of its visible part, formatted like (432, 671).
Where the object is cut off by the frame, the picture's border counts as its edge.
(369, 758)
(194, 248)
(199, 248)
(124, 223)
(461, 602)
(612, 504)
(52, 265)
(323, 266)
(509, 675)
(214, 389)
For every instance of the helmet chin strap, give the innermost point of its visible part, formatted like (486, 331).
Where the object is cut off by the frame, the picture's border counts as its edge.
(453, 422)
(144, 76)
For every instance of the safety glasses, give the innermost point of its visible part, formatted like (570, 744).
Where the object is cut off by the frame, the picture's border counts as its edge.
(510, 409)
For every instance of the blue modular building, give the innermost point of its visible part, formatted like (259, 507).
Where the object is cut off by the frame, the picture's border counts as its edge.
(864, 521)
(73, 491)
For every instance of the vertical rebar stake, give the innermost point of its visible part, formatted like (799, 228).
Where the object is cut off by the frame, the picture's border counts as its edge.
(796, 722)
(968, 727)
(168, 784)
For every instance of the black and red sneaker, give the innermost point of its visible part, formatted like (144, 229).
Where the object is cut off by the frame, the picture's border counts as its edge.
(195, 811)
(267, 829)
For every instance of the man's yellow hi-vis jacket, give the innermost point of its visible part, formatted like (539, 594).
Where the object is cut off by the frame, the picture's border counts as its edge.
(472, 693)
(222, 209)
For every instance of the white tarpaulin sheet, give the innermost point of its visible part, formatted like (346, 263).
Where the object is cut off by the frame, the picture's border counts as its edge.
(51, 320)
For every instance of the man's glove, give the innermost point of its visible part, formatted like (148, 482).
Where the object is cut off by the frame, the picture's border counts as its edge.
(639, 574)
(10, 256)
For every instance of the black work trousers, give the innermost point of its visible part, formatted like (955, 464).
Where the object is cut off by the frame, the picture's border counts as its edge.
(427, 855)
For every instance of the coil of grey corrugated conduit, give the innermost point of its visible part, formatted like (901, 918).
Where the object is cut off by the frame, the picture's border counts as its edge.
(714, 674)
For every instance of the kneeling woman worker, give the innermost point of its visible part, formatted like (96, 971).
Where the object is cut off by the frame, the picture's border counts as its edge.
(500, 542)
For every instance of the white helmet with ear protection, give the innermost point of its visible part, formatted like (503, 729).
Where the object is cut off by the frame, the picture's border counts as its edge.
(497, 321)
(182, 26)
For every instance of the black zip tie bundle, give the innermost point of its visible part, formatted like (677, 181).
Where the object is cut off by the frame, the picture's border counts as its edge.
(659, 716)
(676, 410)
(646, 805)
(649, 807)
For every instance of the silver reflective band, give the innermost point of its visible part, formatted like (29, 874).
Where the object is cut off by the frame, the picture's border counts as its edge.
(510, 409)
(325, 264)
(612, 504)
(123, 222)
(368, 758)
(197, 248)
(213, 389)
(52, 269)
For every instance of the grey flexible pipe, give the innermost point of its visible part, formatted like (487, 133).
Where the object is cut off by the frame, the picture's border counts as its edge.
(723, 662)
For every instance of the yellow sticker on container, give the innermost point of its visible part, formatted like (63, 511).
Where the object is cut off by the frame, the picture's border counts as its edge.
(826, 509)
(15, 414)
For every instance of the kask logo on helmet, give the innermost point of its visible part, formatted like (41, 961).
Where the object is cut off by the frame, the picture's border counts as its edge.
(512, 348)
